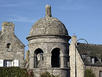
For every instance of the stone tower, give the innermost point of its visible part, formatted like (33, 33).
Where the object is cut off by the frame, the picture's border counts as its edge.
(48, 46)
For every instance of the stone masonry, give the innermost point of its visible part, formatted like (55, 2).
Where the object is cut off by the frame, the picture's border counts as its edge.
(48, 46)
(76, 64)
(11, 48)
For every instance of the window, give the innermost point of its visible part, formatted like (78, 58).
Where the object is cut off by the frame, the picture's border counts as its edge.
(8, 63)
(84, 56)
(55, 58)
(38, 58)
(1, 63)
(100, 73)
(16, 63)
(94, 60)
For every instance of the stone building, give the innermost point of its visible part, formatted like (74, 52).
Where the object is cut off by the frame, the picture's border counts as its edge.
(48, 46)
(49, 50)
(11, 48)
(85, 56)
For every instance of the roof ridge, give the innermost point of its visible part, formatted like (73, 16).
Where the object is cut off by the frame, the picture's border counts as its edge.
(91, 44)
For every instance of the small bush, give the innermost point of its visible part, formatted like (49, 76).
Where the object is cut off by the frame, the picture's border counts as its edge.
(13, 72)
(47, 74)
(31, 73)
(89, 73)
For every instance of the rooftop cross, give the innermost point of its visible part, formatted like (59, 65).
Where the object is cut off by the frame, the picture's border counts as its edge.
(48, 11)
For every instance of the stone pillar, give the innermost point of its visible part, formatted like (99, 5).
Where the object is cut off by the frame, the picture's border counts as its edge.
(61, 60)
(65, 61)
(72, 56)
(31, 62)
(35, 60)
(48, 60)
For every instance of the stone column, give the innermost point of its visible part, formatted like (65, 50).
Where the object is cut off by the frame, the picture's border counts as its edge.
(61, 61)
(31, 62)
(72, 50)
(48, 60)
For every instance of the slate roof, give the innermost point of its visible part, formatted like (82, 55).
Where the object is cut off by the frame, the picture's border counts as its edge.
(90, 51)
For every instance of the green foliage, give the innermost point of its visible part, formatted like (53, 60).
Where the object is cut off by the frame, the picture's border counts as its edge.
(89, 73)
(13, 72)
(47, 74)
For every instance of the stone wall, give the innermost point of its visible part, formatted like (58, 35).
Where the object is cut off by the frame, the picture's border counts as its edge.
(76, 63)
(47, 44)
(60, 72)
(95, 69)
(11, 48)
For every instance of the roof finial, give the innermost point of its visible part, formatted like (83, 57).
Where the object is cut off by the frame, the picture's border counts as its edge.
(48, 11)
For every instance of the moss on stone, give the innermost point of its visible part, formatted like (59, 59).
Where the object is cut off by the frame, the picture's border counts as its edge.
(89, 73)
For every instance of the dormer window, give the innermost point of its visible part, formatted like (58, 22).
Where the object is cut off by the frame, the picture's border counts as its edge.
(94, 60)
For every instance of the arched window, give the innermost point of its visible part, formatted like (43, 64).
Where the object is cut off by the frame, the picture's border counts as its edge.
(55, 58)
(38, 58)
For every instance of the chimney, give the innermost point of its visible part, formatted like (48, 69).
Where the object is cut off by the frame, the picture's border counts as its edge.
(74, 39)
(7, 27)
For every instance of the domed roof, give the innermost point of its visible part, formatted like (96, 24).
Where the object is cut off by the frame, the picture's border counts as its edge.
(48, 25)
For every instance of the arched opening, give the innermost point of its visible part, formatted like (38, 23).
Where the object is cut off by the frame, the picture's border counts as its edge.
(55, 58)
(8, 45)
(38, 58)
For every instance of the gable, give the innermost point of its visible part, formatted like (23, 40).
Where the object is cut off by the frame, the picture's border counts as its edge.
(18, 40)
(11, 39)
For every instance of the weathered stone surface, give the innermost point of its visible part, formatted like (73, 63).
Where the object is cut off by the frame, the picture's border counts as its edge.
(95, 69)
(48, 26)
(76, 64)
(49, 34)
(16, 47)
(81, 59)
(48, 11)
